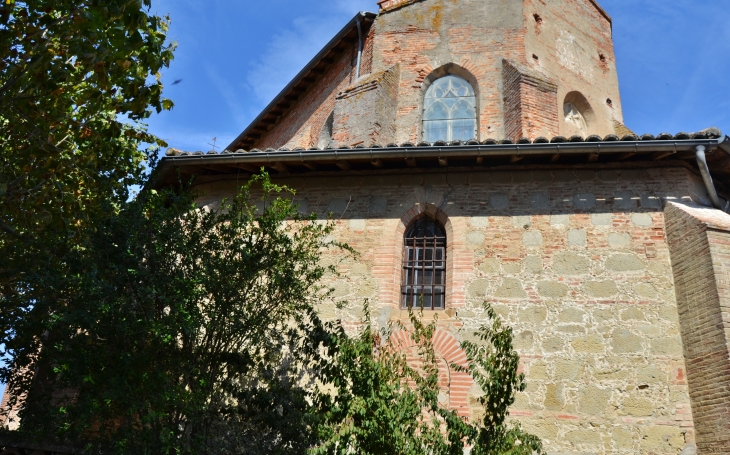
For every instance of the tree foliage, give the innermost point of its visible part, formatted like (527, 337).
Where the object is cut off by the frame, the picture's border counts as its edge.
(183, 329)
(76, 79)
(76, 76)
(175, 329)
(386, 402)
(155, 326)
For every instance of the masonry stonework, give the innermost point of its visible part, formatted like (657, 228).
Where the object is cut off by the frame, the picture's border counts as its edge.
(577, 262)
(562, 47)
(591, 242)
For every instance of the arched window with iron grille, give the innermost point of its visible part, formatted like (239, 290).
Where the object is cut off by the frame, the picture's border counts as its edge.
(423, 282)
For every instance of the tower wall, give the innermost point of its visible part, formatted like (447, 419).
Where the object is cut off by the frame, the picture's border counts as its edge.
(565, 44)
(573, 43)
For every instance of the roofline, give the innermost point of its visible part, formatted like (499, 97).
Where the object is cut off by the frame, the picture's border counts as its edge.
(602, 11)
(333, 42)
(274, 158)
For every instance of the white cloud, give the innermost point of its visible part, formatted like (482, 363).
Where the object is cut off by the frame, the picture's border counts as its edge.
(287, 53)
(290, 50)
(228, 92)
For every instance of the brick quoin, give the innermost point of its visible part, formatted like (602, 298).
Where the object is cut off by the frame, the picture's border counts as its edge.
(700, 247)
(4, 404)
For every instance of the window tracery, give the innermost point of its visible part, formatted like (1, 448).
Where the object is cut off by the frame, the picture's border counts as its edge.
(449, 110)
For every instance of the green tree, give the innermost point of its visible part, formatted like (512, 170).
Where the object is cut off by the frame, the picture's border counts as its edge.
(76, 79)
(176, 329)
(71, 71)
(156, 327)
(381, 404)
(182, 329)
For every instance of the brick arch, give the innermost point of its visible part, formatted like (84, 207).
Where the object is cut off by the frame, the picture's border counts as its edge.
(463, 71)
(449, 350)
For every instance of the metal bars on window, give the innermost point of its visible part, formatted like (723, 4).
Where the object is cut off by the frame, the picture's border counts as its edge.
(423, 283)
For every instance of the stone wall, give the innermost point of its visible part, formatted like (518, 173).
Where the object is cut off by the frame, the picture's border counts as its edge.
(575, 260)
(365, 112)
(699, 240)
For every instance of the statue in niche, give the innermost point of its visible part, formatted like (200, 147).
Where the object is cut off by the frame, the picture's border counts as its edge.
(574, 117)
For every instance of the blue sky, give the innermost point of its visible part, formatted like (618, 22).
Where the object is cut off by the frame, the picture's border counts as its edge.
(234, 56)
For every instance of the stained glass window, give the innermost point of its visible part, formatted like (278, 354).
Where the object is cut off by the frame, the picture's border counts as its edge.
(424, 266)
(449, 111)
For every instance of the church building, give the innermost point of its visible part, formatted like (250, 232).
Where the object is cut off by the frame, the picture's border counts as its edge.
(475, 150)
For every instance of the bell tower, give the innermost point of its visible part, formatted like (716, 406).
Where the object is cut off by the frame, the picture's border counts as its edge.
(537, 67)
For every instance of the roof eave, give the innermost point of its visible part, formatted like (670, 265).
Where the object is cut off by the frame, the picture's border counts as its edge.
(603, 148)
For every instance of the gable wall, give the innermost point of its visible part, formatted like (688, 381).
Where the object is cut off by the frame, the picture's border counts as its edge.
(302, 124)
(480, 37)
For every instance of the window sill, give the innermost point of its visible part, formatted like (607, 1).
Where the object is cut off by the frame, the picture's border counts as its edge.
(428, 315)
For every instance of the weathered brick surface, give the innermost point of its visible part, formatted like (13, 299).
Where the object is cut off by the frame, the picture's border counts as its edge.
(365, 112)
(569, 40)
(3, 405)
(530, 103)
(302, 124)
(568, 50)
(699, 240)
(576, 261)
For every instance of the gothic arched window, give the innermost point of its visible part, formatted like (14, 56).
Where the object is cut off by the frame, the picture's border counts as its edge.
(449, 110)
(423, 280)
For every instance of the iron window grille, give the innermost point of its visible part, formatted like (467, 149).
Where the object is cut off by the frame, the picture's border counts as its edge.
(423, 283)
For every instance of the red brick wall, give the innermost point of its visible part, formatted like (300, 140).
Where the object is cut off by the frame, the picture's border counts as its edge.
(559, 55)
(454, 383)
(367, 53)
(365, 112)
(478, 51)
(568, 41)
(302, 124)
(530, 104)
(700, 254)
